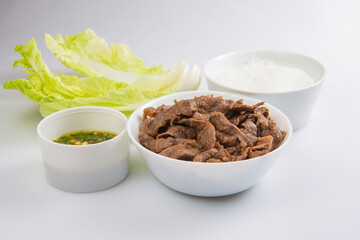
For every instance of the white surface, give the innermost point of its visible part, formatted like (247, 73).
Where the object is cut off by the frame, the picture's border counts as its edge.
(296, 104)
(87, 168)
(312, 192)
(207, 179)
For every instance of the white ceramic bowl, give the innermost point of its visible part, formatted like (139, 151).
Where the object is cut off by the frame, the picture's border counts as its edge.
(297, 105)
(207, 179)
(84, 168)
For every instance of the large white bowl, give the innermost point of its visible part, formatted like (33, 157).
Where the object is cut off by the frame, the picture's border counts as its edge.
(207, 179)
(297, 105)
(84, 168)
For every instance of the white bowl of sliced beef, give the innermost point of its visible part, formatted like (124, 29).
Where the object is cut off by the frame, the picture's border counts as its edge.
(208, 143)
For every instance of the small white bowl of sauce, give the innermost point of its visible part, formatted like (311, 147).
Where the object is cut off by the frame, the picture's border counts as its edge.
(84, 149)
(287, 80)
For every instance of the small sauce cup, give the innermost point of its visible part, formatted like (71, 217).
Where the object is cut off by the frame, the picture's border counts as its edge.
(84, 168)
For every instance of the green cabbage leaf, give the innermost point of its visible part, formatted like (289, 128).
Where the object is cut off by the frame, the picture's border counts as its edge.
(114, 76)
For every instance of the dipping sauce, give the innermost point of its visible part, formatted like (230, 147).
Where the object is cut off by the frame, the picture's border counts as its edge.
(264, 76)
(84, 137)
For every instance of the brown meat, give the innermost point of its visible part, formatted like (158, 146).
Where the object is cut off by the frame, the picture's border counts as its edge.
(157, 145)
(273, 130)
(226, 139)
(263, 146)
(209, 104)
(149, 112)
(178, 131)
(210, 129)
(221, 123)
(239, 118)
(213, 160)
(163, 118)
(240, 155)
(218, 153)
(239, 106)
(145, 125)
(204, 156)
(250, 126)
(231, 150)
(205, 131)
(261, 118)
(201, 116)
(266, 126)
(222, 152)
(250, 130)
(181, 151)
(250, 136)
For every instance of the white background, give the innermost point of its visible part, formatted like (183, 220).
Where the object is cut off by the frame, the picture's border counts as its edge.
(312, 192)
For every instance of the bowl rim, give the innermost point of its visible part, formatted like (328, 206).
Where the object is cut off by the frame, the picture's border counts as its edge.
(132, 121)
(225, 55)
(82, 109)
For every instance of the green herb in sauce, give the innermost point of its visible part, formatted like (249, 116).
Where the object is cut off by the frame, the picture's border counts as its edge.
(84, 137)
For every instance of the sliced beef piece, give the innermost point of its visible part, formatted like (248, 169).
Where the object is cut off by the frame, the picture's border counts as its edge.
(145, 125)
(264, 143)
(250, 130)
(264, 111)
(239, 112)
(204, 156)
(201, 116)
(239, 107)
(261, 118)
(208, 104)
(149, 112)
(231, 150)
(181, 151)
(239, 102)
(157, 145)
(178, 131)
(212, 154)
(226, 139)
(239, 118)
(250, 126)
(205, 131)
(216, 153)
(213, 160)
(273, 130)
(222, 152)
(250, 136)
(222, 124)
(263, 146)
(237, 152)
(230, 112)
(240, 154)
(164, 118)
(147, 141)
(266, 126)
